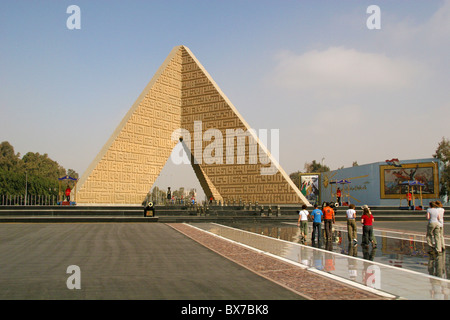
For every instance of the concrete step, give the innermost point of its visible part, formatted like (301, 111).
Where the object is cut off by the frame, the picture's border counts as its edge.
(134, 213)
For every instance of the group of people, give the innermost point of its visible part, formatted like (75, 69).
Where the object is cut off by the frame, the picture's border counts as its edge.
(317, 216)
(328, 217)
(435, 228)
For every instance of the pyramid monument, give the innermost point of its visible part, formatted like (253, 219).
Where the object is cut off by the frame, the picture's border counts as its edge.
(183, 103)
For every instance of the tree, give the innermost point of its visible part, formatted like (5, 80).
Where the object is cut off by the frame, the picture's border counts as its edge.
(295, 177)
(37, 172)
(443, 154)
(42, 166)
(9, 161)
(315, 166)
(179, 193)
(72, 173)
(158, 195)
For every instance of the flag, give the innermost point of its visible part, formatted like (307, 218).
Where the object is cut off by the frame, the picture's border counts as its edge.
(394, 162)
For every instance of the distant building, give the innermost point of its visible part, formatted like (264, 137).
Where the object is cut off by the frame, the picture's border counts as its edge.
(380, 183)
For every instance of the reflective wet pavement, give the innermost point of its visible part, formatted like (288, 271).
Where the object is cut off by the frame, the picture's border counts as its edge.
(400, 264)
(395, 249)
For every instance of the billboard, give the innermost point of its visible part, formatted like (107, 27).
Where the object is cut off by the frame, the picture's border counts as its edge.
(425, 173)
(310, 186)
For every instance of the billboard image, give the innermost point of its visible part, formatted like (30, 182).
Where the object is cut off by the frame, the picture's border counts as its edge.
(391, 178)
(310, 186)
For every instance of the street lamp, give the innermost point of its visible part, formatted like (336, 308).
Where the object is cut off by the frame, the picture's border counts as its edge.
(26, 186)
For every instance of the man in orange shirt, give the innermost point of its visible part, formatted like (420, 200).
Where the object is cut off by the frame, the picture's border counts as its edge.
(329, 219)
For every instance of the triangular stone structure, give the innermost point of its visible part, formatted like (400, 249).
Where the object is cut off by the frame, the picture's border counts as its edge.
(182, 95)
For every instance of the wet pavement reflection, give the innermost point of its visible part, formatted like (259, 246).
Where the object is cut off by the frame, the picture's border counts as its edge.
(410, 253)
(399, 267)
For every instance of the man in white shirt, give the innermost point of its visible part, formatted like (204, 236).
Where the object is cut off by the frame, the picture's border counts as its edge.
(441, 221)
(351, 224)
(303, 222)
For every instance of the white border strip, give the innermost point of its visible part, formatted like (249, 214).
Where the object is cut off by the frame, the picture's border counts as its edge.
(312, 269)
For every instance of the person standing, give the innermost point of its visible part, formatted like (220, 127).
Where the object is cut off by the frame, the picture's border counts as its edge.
(169, 195)
(434, 228)
(338, 196)
(302, 222)
(409, 198)
(317, 216)
(329, 219)
(367, 222)
(351, 224)
(67, 193)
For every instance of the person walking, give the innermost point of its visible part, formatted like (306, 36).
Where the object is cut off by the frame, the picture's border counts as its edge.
(441, 210)
(317, 216)
(351, 224)
(367, 222)
(434, 228)
(328, 220)
(302, 222)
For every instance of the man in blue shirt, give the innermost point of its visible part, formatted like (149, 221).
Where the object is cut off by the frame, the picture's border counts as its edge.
(317, 216)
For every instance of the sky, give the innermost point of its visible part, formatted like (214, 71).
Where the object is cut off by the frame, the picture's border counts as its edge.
(337, 90)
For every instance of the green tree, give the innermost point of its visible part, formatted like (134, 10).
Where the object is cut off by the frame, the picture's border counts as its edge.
(158, 195)
(443, 154)
(72, 173)
(312, 167)
(315, 166)
(43, 174)
(12, 183)
(37, 172)
(9, 160)
(179, 193)
(295, 177)
(42, 166)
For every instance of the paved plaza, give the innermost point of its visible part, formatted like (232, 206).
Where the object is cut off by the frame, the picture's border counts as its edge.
(121, 261)
(176, 261)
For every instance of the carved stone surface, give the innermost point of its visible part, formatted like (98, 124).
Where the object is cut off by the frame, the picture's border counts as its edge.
(183, 95)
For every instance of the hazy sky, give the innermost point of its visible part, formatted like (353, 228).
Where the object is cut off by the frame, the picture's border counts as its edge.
(312, 69)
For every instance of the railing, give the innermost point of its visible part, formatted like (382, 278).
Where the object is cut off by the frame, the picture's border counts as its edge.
(30, 200)
(53, 200)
